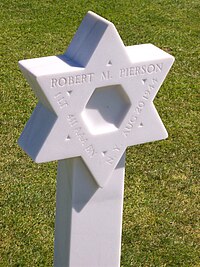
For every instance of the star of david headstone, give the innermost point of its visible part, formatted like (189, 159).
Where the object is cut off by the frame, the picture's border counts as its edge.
(94, 101)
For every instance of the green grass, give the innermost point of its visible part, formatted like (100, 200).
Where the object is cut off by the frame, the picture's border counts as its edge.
(162, 204)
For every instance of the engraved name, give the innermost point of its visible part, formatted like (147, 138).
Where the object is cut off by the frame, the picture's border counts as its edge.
(140, 70)
(72, 80)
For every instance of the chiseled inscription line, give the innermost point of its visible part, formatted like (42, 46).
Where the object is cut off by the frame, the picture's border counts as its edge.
(105, 75)
(139, 108)
(81, 135)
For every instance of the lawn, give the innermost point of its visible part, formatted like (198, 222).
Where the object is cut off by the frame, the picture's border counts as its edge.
(161, 221)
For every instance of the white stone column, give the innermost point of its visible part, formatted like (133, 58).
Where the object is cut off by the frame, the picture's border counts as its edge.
(88, 218)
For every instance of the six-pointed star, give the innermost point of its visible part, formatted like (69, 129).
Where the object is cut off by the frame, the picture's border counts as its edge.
(94, 100)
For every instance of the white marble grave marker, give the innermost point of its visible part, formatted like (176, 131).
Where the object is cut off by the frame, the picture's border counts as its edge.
(94, 101)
